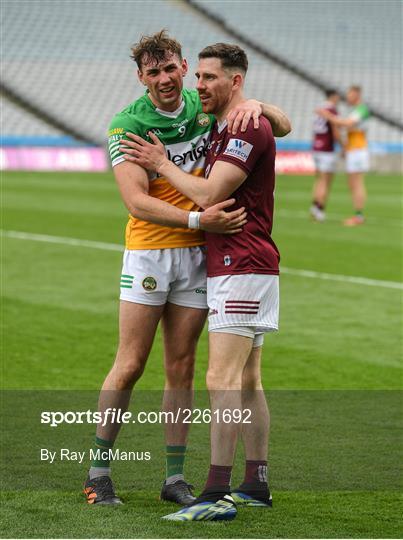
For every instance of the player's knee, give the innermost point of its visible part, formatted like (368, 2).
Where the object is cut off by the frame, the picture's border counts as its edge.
(179, 373)
(251, 380)
(219, 379)
(126, 376)
(128, 368)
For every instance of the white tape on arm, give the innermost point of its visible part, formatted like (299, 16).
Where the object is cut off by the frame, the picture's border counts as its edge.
(194, 220)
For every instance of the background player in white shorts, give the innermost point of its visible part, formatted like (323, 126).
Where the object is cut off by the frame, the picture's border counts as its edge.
(325, 135)
(163, 274)
(357, 154)
(242, 284)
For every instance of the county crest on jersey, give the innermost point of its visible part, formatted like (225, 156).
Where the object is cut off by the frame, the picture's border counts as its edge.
(185, 134)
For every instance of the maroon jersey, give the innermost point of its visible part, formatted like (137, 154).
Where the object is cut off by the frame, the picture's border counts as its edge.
(323, 140)
(251, 251)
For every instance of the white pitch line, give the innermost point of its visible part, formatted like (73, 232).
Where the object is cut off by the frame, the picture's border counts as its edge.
(117, 247)
(62, 240)
(301, 214)
(340, 277)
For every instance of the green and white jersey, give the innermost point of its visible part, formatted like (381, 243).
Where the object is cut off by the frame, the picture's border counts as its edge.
(185, 134)
(356, 136)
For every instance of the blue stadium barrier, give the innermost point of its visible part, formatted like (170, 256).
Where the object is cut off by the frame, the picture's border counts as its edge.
(291, 146)
(45, 140)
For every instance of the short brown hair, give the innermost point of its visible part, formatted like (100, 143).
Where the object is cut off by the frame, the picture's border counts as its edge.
(331, 92)
(156, 47)
(231, 56)
(356, 88)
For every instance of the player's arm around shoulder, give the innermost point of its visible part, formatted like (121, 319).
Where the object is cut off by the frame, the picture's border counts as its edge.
(335, 120)
(280, 123)
(360, 113)
(242, 113)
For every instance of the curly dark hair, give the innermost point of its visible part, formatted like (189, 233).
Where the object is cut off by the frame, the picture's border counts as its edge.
(156, 47)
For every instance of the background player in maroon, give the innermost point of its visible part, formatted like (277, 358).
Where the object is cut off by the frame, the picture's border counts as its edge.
(242, 287)
(325, 135)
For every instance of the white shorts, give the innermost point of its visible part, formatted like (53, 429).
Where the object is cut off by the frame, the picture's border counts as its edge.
(157, 276)
(249, 302)
(325, 161)
(357, 160)
(246, 331)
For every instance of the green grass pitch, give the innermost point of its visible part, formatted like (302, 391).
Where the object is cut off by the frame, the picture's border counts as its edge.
(333, 371)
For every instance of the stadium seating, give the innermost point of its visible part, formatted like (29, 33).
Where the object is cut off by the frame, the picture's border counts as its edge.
(72, 58)
(18, 122)
(340, 43)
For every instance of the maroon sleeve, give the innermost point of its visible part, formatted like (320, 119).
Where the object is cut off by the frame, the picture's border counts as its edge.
(244, 149)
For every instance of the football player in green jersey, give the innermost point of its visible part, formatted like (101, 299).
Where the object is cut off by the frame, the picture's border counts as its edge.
(163, 234)
(357, 154)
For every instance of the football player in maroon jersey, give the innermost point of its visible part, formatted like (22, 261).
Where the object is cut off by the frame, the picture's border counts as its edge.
(325, 135)
(242, 285)
(356, 149)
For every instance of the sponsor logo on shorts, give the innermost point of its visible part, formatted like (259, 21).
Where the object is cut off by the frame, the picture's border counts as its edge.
(227, 260)
(238, 149)
(149, 283)
(126, 281)
(201, 291)
(203, 119)
(212, 312)
(247, 307)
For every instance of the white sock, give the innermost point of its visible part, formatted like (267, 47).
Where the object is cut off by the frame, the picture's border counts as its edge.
(96, 472)
(174, 478)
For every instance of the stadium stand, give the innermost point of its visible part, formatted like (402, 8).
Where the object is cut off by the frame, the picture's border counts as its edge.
(71, 59)
(20, 123)
(338, 43)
